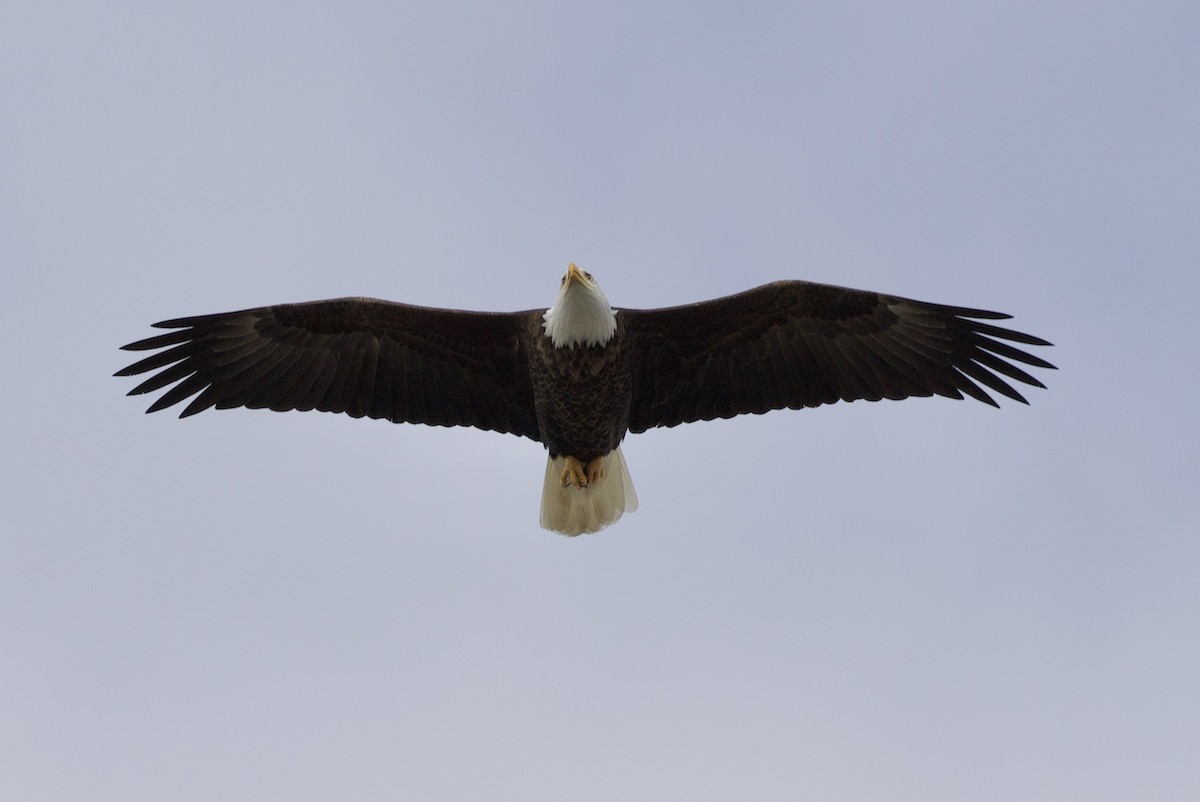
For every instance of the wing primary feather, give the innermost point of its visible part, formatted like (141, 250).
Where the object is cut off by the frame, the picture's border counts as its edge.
(991, 380)
(1007, 334)
(266, 389)
(159, 341)
(299, 395)
(277, 396)
(964, 383)
(239, 389)
(230, 350)
(188, 387)
(965, 311)
(916, 368)
(891, 381)
(164, 377)
(923, 338)
(207, 398)
(993, 362)
(240, 383)
(227, 365)
(161, 359)
(202, 321)
(1009, 352)
(894, 381)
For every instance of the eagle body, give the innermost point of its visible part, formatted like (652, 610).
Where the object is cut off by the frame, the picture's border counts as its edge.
(582, 395)
(580, 375)
(581, 372)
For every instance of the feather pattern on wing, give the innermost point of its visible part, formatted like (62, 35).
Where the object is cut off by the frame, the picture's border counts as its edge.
(796, 344)
(360, 356)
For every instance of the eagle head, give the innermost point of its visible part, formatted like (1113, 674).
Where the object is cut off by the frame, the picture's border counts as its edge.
(581, 314)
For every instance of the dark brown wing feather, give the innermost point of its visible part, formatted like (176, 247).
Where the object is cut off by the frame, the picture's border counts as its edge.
(799, 344)
(355, 355)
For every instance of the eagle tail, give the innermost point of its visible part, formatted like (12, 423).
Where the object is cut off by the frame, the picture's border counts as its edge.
(574, 511)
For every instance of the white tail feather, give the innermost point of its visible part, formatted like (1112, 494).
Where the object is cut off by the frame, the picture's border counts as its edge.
(574, 511)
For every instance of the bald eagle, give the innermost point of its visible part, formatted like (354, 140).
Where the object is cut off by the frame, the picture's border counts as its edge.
(579, 376)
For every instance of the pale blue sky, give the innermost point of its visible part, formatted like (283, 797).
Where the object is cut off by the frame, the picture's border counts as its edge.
(928, 600)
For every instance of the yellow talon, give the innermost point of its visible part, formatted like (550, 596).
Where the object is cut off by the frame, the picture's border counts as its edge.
(595, 470)
(574, 474)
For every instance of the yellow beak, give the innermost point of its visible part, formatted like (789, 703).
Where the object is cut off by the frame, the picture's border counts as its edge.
(574, 273)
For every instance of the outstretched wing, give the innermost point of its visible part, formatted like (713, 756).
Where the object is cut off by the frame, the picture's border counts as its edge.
(355, 355)
(799, 344)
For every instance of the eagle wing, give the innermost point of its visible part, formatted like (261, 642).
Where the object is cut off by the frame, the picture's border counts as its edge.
(359, 356)
(799, 344)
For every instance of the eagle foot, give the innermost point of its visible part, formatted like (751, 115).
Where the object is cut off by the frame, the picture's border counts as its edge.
(595, 470)
(576, 474)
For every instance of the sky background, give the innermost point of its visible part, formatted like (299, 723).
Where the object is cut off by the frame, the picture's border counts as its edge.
(928, 600)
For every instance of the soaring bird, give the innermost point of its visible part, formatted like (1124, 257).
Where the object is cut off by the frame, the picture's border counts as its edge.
(579, 376)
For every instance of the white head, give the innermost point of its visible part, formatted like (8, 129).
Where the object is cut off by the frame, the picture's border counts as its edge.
(581, 314)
